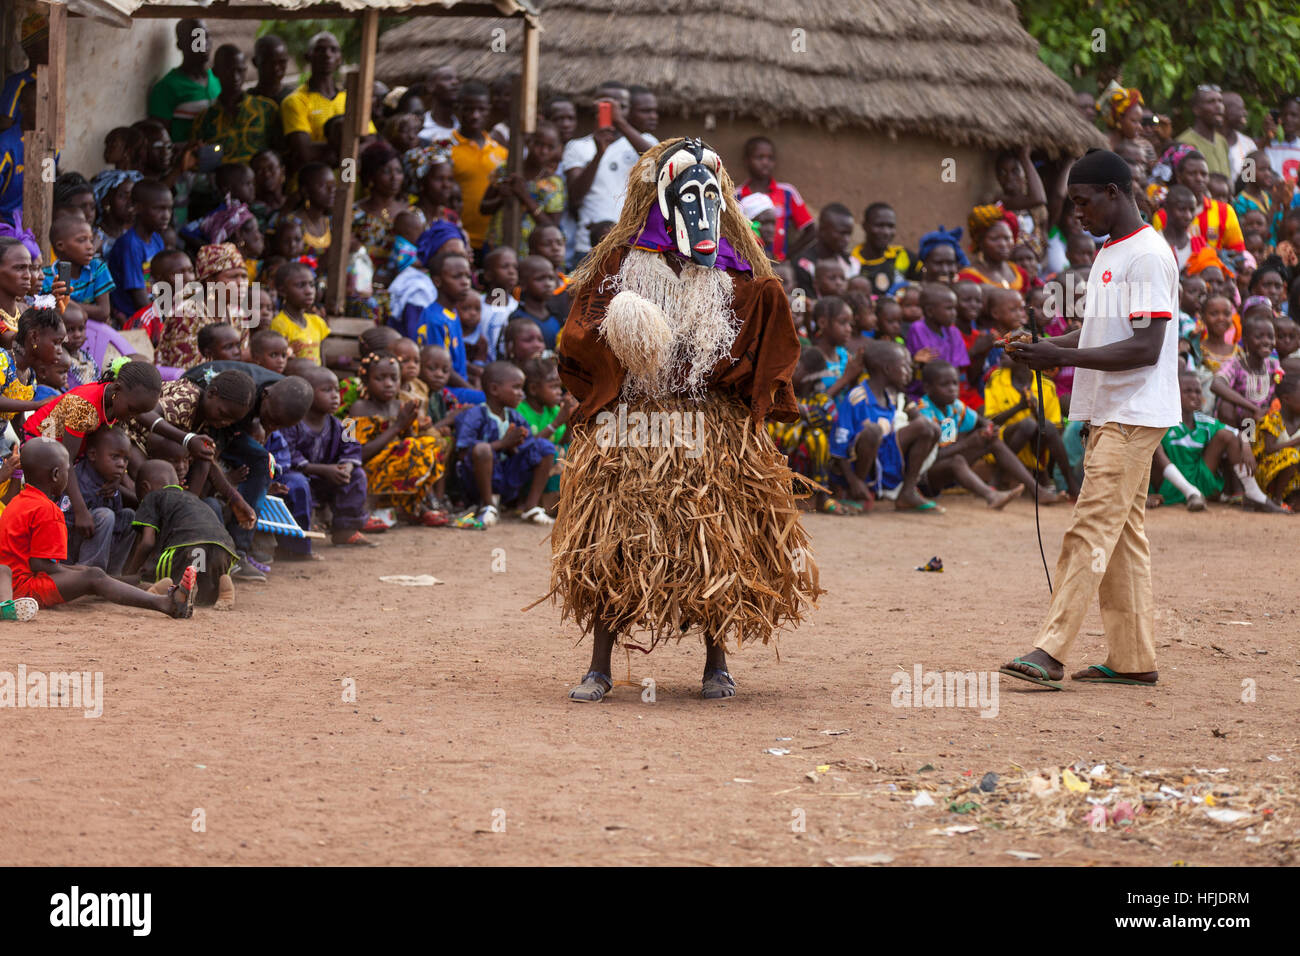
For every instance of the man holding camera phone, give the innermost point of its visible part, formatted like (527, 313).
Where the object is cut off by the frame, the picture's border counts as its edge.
(596, 166)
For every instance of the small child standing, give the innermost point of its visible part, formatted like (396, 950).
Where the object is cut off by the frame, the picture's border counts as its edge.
(546, 408)
(34, 543)
(83, 369)
(442, 408)
(303, 329)
(537, 280)
(498, 455)
(175, 527)
(99, 475)
(326, 466)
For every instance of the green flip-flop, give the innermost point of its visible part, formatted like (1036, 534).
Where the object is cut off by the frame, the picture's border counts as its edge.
(1111, 677)
(1043, 681)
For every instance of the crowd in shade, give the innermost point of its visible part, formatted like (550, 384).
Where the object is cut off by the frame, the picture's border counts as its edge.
(170, 388)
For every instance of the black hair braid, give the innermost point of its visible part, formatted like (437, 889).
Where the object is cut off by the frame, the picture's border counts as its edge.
(234, 386)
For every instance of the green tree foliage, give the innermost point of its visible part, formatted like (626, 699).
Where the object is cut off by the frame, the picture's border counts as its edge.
(296, 33)
(1166, 47)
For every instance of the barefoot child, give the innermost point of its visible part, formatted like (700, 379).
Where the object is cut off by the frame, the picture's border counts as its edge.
(100, 477)
(881, 446)
(325, 466)
(498, 455)
(964, 437)
(303, 329)
(34, 544)
(1189, 462)
(401, 466)
(175, 528)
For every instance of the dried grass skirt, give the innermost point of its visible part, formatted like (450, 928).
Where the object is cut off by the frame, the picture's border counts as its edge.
(666, 539)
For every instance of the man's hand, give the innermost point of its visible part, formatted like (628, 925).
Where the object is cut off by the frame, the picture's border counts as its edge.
(338, 474)
(605, 136)
(245, 516)
(1037, 355)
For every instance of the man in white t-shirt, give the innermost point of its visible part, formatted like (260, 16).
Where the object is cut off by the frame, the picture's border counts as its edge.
(440, 121)
(1126, 389)
(596, 167)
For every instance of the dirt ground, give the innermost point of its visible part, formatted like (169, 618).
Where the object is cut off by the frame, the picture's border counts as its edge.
(460, 747)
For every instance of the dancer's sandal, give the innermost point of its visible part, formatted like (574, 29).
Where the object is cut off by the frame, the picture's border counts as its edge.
(1101, 674)
(593, 688)
(1044, 681)
(717, 684)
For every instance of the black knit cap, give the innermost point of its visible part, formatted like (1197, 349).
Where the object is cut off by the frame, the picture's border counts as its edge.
(1101, 167)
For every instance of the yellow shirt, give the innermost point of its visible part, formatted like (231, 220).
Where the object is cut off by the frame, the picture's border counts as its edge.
(303, 342)
(306, 111)
(473, 165)
(1001, 394)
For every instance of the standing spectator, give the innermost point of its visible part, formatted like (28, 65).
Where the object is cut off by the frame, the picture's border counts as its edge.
(540, 189)
(474, 158)
(563, 115)
(440, 122)
(794, 223)
(306, 110)
(596, 166)
(1205, 134)
(187, 90)
(1216, 221)
(242, 124)
(1234, 124)
(882, 263)
(271, 60)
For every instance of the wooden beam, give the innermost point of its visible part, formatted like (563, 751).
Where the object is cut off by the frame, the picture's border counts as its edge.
(266, 11)
(359, 87)
(523, 120)
(41, 143)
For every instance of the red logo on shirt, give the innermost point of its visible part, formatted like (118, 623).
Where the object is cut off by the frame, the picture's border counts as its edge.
(1105, 276)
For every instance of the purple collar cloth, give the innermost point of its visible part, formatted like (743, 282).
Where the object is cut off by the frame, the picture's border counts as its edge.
(654, 236)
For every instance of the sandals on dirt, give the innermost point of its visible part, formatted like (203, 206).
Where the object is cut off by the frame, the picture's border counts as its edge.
(354, 539)
(188, 588)
(1267, 506)
(374, 525)
(435, 519)
(1043, 681)
(593, 688)
(717, 684)
(468, 522)
(1107, 676)
(537, 515)
(488, 515)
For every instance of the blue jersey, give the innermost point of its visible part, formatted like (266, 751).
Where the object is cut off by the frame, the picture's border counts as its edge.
(440, 326)
(954, 420)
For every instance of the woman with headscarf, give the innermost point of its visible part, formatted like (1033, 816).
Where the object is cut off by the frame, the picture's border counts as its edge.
(939, 256)
(1122, 111)
(759, 209)
(221, 270)
(993, 234)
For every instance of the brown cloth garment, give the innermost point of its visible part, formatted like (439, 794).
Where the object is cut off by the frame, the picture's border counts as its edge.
(766, 350)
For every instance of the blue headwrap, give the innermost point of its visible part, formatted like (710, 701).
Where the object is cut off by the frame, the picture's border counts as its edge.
(940, 237)
(438, 234)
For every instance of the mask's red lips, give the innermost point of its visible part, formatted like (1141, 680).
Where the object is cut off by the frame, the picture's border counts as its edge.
(706, 246)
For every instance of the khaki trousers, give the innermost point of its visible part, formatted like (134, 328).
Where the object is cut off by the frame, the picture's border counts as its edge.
(1106, 554)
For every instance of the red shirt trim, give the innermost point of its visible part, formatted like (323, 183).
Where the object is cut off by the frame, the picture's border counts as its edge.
(1111, 242)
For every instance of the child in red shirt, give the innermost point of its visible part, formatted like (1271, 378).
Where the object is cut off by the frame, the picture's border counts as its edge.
(34, 542)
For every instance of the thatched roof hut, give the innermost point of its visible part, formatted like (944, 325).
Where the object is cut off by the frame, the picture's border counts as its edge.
(860, 95)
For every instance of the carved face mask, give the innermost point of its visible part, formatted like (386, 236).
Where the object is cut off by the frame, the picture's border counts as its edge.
(690, 198)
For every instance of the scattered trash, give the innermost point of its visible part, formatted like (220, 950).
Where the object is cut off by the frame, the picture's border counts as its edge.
(1170, 791)
(411, 581)
(923, 799)
(1275, 758)
(1024, 855)
(988, 782)
(1223, 815)
(969, 806)
(777, 751)
(741, 780)
(823, 768)
(1218, 733)
(1073, 783)
(934, 564)
(954, 831)
(869, 859)
(1241, 623)
(785, 738)
(835, 733)
(1097, 771)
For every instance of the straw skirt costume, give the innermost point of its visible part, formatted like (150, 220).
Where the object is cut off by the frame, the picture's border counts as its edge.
(677, 513)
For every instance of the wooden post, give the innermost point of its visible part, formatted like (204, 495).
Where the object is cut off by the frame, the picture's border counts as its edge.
(42, 143)
(523, 120)
(359, 87)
